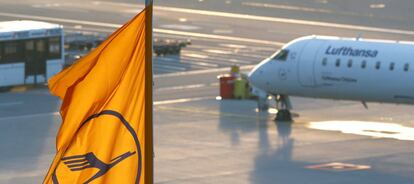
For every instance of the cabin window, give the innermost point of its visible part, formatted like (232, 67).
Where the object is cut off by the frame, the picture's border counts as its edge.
(406, 67)
(282, 55)
(378, 65)
(338, 63)
(324, 61)
(350, 63)
(364, 64)
(392, 66)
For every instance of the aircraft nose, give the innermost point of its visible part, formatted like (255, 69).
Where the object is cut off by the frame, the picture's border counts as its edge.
(256, 76)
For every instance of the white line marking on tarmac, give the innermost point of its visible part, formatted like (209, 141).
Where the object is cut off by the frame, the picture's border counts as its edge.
(271, 19)
(62, 20)
(30, 116)
(192, 55)
(185, 87)
(156, 30)
(197, 63)
(165, 102)
(196, 72)
(285, 20)
(128, 5)
(180, 27)
(15, 174)
(286, 7)
(377, 6)
(219, 37)
(304, 9)
(88, 29)
(183, 100)
(10, 104)
(227, 15)
(157, 65)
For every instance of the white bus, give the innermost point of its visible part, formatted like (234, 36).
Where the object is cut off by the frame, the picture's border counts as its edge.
(30, 52)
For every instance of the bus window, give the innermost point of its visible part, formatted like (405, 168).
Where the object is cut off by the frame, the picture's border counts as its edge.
(54, 48)
(1, 53)
(282, 55)
(12, 52)
(10, 49)
(29, 45)
(40, 46)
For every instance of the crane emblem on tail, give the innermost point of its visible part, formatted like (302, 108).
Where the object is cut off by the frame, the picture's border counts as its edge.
(89, 160)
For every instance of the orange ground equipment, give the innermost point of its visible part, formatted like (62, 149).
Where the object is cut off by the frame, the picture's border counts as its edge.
(226, 86)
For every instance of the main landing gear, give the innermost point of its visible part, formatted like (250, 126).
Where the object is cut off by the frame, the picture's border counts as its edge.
(283, 107)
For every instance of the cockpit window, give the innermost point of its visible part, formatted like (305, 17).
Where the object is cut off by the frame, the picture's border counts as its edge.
(282, 55)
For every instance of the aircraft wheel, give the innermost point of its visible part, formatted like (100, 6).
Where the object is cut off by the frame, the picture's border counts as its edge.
(283, 115)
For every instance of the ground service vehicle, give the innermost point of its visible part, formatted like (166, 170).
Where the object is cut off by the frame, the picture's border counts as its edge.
(163, 47)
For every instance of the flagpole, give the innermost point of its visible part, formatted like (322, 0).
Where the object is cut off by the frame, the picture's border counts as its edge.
(149, 132)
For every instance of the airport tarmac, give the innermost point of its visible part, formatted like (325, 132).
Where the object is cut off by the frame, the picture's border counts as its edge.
(199, 139)
(204, 140)
(234, 144)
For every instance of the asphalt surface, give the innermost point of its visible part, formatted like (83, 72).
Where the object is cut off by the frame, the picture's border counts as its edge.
(201, 140)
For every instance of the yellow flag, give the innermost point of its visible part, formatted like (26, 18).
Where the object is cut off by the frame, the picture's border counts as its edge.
(106, 134)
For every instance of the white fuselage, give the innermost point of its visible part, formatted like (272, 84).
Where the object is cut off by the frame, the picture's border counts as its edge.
(340, 68)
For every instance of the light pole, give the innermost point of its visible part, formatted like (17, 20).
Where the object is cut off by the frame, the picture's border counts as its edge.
(149, 146)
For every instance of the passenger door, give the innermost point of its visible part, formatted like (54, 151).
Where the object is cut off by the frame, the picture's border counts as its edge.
(35, 51)
(306, 64)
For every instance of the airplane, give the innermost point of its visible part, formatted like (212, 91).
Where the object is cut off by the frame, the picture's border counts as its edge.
(327, 67)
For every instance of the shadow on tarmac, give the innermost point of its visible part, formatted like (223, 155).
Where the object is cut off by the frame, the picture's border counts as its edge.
(275, 162)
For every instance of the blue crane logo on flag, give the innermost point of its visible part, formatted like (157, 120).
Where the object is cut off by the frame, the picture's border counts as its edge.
(89, 160)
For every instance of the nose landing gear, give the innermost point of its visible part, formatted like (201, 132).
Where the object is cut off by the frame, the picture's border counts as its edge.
(283, 107)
